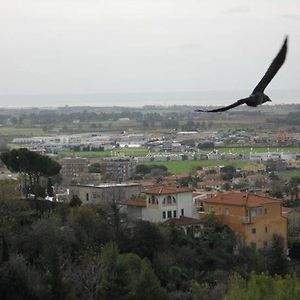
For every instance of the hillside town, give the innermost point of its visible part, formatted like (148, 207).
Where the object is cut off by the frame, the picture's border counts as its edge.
(236, 188)
(145, 190)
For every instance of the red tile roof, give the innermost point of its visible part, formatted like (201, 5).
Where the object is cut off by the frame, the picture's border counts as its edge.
(241, 199)
(164, 190)
(175, 177)
(183, 221)
(137, 202)
(212, 182)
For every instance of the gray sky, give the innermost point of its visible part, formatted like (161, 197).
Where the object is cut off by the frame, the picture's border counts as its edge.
(102, 46)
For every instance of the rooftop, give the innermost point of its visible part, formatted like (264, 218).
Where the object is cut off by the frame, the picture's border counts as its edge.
(164, 190)
(242, 199)
(108, 185)
(136, 202)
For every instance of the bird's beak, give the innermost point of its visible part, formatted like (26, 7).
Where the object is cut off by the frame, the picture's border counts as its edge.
(270, 100)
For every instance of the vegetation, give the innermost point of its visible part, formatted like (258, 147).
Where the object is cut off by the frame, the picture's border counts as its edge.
(187, 166)
(96, 252)
(32, 166)
(21, 131)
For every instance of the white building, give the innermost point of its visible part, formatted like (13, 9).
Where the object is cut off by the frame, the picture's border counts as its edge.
(163, 203)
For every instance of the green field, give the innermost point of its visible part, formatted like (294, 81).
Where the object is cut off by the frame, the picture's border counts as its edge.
(247, 150)
(286, 175)
(116, 152)
(187, 166)
(21, 132)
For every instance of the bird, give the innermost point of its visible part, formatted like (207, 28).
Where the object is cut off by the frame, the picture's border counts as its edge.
(258, 96)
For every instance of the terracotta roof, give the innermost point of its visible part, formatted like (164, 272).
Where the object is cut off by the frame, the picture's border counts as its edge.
(241, 199)
(146, 182)
(183, 221)
(212, 182)
(163, 190)
(175, 177)
(137, 202)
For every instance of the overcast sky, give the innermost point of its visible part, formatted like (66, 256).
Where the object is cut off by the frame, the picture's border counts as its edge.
(98, 46)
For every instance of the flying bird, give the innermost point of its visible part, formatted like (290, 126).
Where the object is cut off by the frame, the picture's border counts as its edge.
(258, 96)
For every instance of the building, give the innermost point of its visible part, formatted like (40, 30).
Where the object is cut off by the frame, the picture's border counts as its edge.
(72, 168)
(107, 192)
(163, 203)
(190, 226)
(255, 219)
(118, 169)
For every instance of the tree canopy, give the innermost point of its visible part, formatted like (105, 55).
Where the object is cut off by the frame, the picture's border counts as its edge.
(32, 165)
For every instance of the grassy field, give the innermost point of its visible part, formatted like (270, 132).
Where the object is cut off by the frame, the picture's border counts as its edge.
(187, 166)
(246, 150)
(21, 132)
(100, 154)
(286, 175)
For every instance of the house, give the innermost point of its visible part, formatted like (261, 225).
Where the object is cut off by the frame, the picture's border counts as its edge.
(214, 184)
(293, 216)
(163, 203)
(255, 219)
(107, 192)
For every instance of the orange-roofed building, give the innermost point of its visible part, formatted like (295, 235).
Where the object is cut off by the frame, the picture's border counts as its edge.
(255, 219)
(163, 203)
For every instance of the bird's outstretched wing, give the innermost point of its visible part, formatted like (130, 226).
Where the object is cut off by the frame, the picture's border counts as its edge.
(237, 103)
(273, 69)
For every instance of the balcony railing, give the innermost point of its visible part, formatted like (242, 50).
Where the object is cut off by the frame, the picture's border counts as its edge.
(245, 220)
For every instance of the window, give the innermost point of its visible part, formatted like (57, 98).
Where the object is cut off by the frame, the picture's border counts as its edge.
(266, 211)
(259, 211)
(169, 214)
(253, 230)
(174, 214)
(153, 199)
(169, 200)
(226, 211)
(174, 200)
(163, 214)
(253, 212)
(164, 201)
(87, 197)
(265, 244)
(266, 228)
(182, 212)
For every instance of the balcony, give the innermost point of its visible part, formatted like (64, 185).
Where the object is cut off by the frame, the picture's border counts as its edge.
(244, 220)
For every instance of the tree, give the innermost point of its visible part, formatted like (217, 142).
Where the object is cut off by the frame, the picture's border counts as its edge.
(94, 168)
(263, 286)
(293, 188)
(276, 258)
(228, 172)
(127, 276)
(31, 165)
(75, 201)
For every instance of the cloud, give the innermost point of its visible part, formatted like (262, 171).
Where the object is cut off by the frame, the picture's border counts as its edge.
(292, 17)
(240, 9)
(191, 46)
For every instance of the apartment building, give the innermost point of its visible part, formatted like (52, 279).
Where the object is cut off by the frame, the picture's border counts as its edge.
(72, 168)
(255, 219)
(118, 169)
